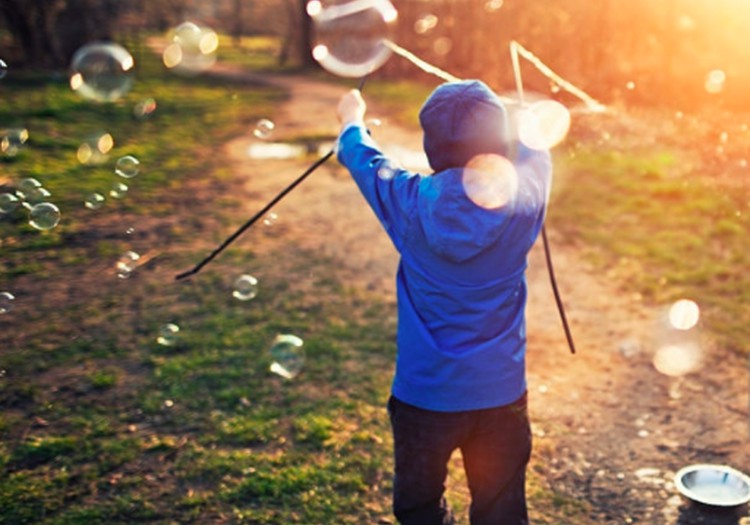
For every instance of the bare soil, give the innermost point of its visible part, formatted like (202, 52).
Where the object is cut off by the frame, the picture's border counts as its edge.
(610, 430)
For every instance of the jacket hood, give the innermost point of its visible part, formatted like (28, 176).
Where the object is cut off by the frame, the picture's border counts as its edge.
(461, 120)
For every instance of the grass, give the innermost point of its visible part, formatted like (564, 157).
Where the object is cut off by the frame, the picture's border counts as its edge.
(662, 224)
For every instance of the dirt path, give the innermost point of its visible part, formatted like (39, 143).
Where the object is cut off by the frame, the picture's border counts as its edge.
(610, 430)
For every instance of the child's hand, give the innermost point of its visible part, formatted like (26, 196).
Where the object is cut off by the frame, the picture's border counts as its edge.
(351, 107)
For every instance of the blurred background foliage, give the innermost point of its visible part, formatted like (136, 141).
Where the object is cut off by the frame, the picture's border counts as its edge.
(638, 52)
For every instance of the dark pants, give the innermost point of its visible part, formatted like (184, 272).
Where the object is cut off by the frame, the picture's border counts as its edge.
(495, 444)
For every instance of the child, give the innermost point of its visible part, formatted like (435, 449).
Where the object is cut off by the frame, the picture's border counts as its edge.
(463, 234)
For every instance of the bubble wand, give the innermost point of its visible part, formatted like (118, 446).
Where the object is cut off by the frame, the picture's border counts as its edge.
(252, 220)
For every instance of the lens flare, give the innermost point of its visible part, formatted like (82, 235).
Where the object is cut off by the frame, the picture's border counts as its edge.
(677, 359)
(684, 314)
(490, 181)
(543, 125)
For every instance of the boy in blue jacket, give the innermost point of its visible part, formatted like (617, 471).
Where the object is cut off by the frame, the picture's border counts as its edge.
(463, 234)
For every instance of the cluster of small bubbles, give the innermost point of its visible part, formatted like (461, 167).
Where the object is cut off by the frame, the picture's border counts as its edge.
(493, 5)
(168, 334)
(264, 128)
(192, 49)
(144, 109)
(245, 287)
(287, 356)
(94, 201)
(7, 300)
(13, 140)
(3, 69)
(95, 149)
(8, 203)
(44, 216)
(543, 125)
(102, 72)
(27, 187)
(270, 219)
(715, 81)
(118, 190)
(352, 36)
(425, 24)
(442, 46)
(127, 166)
(126, 264)
(386, 171)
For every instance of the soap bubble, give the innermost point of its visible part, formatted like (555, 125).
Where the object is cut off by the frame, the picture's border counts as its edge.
(543, 124)
(3, 69)
(264, 128)
(95, 149)
(715, 81)
(192, 49)
(386, 171)
(102, 72)
(270, 219)
(144, 109)
(425, 24)
(127, 166)
(37, 195)
(94, 201)
(118, 190)
(287, 355)
(13, 140)
(168, 334)
(7, 300)
(245, 287)
(684, 314)
(8, 203)
(44, 216)
(126, 264)
(351, 36)
(27, 186)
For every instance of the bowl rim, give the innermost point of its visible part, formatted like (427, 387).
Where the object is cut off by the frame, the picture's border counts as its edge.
(685, 491)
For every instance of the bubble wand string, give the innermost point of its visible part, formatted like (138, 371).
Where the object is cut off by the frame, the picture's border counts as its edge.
(514, 52)
(252, 220)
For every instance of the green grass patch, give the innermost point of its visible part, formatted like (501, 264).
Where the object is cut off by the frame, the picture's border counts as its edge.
(661, 229)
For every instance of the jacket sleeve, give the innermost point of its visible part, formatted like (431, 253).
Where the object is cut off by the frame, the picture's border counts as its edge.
(390, 191)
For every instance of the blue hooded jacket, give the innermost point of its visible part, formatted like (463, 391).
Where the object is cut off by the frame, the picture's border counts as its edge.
(463, 234)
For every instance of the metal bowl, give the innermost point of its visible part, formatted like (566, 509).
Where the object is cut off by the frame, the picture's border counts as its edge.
(716, 485)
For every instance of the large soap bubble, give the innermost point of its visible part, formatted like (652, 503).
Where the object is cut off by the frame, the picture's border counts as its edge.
(44, 216)
(192, 49)
(351, 36)
(102, 72)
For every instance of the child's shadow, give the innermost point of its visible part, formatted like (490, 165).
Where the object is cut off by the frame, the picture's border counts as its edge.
(698, 514)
